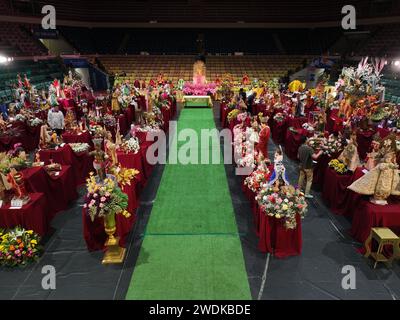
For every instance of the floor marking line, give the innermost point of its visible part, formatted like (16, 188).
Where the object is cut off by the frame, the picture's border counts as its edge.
(264, 278)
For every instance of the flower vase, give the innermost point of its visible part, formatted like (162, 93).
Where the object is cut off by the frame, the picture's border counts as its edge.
(114, 253)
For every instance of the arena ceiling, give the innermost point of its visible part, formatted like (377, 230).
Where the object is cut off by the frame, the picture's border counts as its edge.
(206, 11)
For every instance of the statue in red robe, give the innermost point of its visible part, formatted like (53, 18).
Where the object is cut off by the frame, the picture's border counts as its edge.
(264, 135)
(246, 80)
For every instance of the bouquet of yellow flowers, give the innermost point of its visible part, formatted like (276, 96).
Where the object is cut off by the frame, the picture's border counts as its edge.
(338, 166)
(18, 247)
(104, 198)
(233, 115)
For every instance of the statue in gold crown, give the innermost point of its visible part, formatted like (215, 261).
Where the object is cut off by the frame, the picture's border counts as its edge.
(383, 180)
(70, 121)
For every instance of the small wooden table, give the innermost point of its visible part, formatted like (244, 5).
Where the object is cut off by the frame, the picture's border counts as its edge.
(384, 236)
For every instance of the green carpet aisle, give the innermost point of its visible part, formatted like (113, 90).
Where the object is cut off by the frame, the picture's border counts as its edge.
(191, 248)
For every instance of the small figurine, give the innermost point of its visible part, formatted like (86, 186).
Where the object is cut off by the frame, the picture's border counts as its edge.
(100, 158)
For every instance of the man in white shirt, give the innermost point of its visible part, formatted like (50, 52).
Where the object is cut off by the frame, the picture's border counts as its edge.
(55, 118)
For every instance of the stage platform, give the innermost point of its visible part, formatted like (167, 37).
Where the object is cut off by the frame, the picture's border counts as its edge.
(197, 102)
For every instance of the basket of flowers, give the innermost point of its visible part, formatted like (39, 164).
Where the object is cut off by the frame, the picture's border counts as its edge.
(19, 247)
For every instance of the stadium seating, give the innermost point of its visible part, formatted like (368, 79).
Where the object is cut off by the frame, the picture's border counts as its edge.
(148, 67)
(39, 73)
(15, 40)
(383, 42)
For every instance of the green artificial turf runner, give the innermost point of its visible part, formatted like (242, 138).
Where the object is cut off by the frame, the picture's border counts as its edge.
(191, 248)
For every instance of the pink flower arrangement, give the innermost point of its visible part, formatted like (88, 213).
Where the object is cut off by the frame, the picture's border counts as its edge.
(199, 89)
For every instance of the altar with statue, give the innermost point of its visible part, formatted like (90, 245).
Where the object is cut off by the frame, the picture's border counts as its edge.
(198, 93)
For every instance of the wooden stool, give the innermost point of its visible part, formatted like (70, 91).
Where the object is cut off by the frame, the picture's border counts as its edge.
(384, 236)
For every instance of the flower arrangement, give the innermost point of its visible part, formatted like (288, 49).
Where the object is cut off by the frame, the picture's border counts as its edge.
(285, 204)
(123, 175)
(148, 128)
(233, 115)
(338, 166)
(20, 117)
(79, 147)
(19, 247)
(258, 178)
(242, 117)
(104, 198)
(109, 120)
(8, 162)
(317, 143)
(332, 146)
(35, 122)
(308, 127)
(131, 145)
(279, 117)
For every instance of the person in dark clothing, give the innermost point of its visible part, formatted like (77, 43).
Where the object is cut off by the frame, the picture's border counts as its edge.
(242, 94)
(250, 102)
(3, 109)
(306, 156)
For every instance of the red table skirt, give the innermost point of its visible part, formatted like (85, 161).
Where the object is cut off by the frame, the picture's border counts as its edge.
(275, 238)
(94, 233)
(60, 190)
(279, 131)
(84, 137)
(364, 140)
(368, 215)
(32, 216)
(132, 161)
(335, 194)
(81, 163)
(273, 235)
(292, 144)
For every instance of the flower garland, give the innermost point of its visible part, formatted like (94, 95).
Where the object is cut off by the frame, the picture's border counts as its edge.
(105, 198)
(79, 147)
(338, 166)
(19, 247)
(283, 204)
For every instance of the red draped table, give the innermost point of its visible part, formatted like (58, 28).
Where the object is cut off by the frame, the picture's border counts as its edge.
(368, 215)
(60, 190)
(341, 200)
(364, 140)
(82, 137)
(31, 216)
(81, 163)
(279, 131)
(272, 233)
